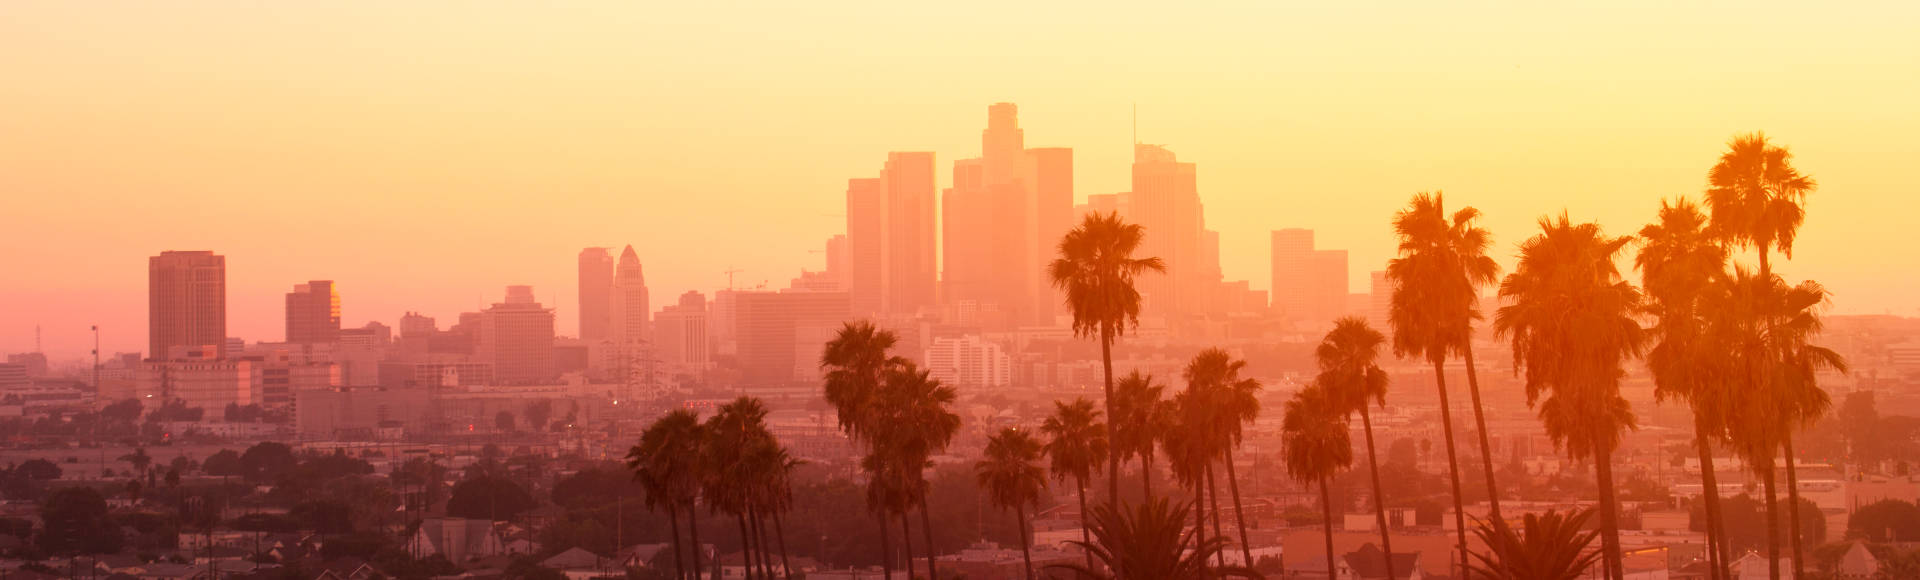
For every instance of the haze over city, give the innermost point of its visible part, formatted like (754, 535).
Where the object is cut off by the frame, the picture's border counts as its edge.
(984, 291)
(426, 154)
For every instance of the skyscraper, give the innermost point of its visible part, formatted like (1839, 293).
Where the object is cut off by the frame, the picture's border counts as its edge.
(186, 302)
(680, 332)
(1309, 284)
(516, 336)
(313, 313)
(1002, 217)
(629, 312)
(891, 236)
(596, 294)
(780, 334)
(1166, 202)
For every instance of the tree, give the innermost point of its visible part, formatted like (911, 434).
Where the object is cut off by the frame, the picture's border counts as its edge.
(324, 516)
(1354, 382)
(75, 521)
(1548, 546)
(854, 366)
(1151, 541)
(489, 498)
(1142, 416)
(1570, 318)
(1096, 269)
(1011, 475)
(224, 462)
(503, 421)
(667, 462)
(266, 461)
(123, 411)
(1755, 196)
(1680, 263)
(1436, 278)
(39, 469)
(1313, 435)
(913, 422)
(1887, 520)
(733, 431)
(537, 414)
(1216, 374)
(1076, 440)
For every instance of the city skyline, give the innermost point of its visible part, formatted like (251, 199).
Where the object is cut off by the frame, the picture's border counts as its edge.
(1335, 144)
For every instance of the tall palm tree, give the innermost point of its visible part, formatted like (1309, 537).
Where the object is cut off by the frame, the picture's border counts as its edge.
(1216, 374)
(1187, 445)
(1756, 198)
(1096, 269)
(667, 463)
(772, 492)
(1010, 473)
(855, 365)
(1548, 546)
(1680, 263)
(734, 430)
(1570, 317)
(1142, 416)
(1316, 444)
(1151, 541)
(1355, 382)
(914, 420)
(1076, 440)
(1437, 276)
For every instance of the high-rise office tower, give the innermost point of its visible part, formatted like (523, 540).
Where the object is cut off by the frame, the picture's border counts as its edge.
(596, 294)
(1166, 202)
(780, 334)
(313, 313)
(680, 332)
(516, 336)
(891, 236)
(837, 258)
(630, 313)
(1003, 217)
(1309, 284)
(186, 302)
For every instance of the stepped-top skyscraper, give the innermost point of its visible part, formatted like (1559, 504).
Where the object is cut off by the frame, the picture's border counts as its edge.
(313, 313)
(1003, 216)
(596, 294)
(630, 313)
(186, 302)
(890, 236)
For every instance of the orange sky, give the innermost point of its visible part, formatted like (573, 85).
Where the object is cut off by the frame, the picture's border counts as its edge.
(425, 154)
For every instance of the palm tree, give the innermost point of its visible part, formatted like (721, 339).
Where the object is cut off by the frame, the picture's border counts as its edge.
(1186, 443)
(140, 460)
(1217, 374)
(1142, 416)
(1010, 473)
(1076, 440)
(856, 364)
(667, 463)
(1151, 541)
(1680, 263)
(888, 492)
(1314, 437)
(1756, 196)
(1436, 297)
(1096, 269)
(772, 491)
(1548, 546)
(1354, 382)
(734, 430)
(1570, 317)
(915, 421)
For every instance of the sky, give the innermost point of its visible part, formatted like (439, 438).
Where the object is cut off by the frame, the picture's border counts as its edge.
(426, 154)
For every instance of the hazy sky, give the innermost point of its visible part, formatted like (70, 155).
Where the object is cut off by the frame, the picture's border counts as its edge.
(426, 154)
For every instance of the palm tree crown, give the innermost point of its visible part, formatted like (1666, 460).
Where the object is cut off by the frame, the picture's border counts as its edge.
(1096, 269)
(1755, 195)
(1314, 435)
(1442, 264)
(1076, 439)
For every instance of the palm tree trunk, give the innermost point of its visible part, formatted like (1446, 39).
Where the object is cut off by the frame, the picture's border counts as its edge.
(1793, 504)
(746, 545)
(780, 535)
(1213, 498)
(693, 533)
(1113, 451)
(926, 527)
(1239, 514)
(1379, 500)
(1773, 527)
(1453, 464)
(1326, 516)
(1609, 512)
(1716, 537)
(1086, 537)
(760, 538)
(906, 541)
(1480, 422)
(1146, 474)
(1020, 518)
(886, 549)
(673, 528)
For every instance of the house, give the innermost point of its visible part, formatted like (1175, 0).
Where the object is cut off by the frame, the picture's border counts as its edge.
(458, 539)
(1857, 564)
(1315, 568)
(1753, 566)
(579, 564)
(1369, 563)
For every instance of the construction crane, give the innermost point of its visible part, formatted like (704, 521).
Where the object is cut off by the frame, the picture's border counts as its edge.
(730, 271)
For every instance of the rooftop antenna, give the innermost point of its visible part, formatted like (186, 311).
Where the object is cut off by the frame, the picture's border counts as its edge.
(36, 339)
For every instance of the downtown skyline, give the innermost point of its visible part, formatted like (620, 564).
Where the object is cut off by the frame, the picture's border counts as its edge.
(458, 188)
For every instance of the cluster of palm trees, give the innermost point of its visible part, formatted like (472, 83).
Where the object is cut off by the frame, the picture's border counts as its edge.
(731, 463)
